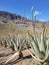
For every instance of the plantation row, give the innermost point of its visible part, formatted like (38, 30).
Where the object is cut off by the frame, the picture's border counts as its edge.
(20, 38)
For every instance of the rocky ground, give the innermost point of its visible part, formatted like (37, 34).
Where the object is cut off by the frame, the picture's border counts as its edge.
(5, 53)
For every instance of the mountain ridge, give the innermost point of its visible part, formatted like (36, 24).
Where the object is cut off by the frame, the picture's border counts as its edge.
(7, 17)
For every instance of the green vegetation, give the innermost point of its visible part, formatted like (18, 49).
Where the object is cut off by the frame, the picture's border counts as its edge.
(17, 45)
(18, 38)
(40, 47)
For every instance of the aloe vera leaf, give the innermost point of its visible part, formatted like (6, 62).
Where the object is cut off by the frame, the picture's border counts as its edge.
(43, 41)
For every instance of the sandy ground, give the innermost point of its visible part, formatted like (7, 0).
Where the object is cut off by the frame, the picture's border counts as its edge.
(5, 53)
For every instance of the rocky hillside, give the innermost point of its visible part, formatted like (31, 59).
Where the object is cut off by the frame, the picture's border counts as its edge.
(6, 16)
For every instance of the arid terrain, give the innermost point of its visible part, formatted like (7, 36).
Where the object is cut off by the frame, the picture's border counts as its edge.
(5, 53)
(11, 25)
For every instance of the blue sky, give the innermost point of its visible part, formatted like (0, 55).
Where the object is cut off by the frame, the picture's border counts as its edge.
(18, 7)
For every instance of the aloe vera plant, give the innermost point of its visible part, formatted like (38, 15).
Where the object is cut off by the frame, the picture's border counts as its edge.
(4, 42)
(18, 45)
(40, 47)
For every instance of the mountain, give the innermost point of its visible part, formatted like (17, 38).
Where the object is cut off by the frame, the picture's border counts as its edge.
(6, 16)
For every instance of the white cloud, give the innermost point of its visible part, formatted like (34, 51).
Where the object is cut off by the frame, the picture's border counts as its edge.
(37, 13)
(42, 20)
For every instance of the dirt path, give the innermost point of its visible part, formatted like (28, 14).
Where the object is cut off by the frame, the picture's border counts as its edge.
(5, 53)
